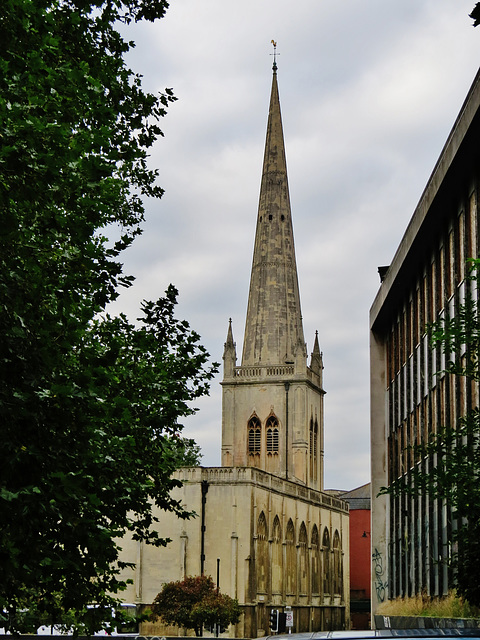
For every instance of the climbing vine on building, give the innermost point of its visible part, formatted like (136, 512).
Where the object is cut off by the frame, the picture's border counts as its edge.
(448, 462)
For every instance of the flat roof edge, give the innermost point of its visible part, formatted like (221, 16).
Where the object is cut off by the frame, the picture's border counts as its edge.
(447, 156)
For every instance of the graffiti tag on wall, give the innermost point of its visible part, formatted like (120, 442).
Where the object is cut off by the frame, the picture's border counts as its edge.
(381, 585)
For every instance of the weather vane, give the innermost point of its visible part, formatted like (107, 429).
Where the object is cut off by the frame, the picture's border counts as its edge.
(274, 54)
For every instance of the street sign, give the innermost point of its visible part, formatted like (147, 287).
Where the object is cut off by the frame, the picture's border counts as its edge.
(289, 618)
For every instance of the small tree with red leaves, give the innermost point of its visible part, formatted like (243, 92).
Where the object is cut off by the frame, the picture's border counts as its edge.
(193, 603)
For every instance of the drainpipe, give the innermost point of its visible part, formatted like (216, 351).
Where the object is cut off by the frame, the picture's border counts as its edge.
(217, 624)
(287, 387)
(202, 540)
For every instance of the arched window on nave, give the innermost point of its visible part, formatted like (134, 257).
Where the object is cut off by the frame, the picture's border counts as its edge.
(315, 560)
(277, 557)
(262, 554)
(337, 564)
(303, 559)
(291, 566)
(326, 562)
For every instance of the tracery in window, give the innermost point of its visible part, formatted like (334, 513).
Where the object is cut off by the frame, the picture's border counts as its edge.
(262, 554)
(254, 435)
(303, 558)
(337, 564)
(272, 435)
(291, 568)
(277, 557)
(313, 449)
(315, 561)
(326, 562)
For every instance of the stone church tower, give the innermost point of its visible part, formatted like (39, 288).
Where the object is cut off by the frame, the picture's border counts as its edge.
(264, 527)
(272, 414)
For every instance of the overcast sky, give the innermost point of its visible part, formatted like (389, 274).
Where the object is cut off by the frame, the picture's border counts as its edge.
(369, 90)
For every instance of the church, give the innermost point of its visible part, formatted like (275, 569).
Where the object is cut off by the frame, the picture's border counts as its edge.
(265, 529)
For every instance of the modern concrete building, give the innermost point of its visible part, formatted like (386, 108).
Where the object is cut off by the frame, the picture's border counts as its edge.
(410, 396)
(265, 528)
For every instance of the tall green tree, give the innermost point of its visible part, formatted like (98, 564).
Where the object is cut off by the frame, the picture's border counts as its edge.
(447, 465)
(89, 404)
(193, 603)
(475, 15)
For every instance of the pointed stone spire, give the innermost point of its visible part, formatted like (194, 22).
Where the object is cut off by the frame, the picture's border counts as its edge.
(229, 342)
(273, 328)
(316, 361)
(229, 353)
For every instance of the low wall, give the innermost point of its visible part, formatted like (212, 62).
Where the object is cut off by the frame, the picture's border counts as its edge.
(414, 622)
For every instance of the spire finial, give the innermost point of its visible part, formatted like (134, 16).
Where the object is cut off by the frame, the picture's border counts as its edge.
(274, 54)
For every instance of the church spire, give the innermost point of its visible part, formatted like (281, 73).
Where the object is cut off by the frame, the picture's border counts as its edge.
(272, 404)
(273, 329)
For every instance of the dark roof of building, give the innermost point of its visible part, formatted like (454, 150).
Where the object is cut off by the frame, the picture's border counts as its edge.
(358, 498)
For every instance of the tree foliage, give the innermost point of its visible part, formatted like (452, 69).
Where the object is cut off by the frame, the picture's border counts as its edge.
(194, 603)
(448, 464)
(475, 15)
(89, 404)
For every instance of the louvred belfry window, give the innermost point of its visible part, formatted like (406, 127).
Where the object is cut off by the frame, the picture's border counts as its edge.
(272, 435)
(254, 435)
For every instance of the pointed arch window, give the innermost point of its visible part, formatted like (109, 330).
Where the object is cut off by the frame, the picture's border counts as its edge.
(313, 449)
(326, 562)
(303, 558)
(277, 557)
(254, 435)
(262, 554)
(272, 435)
(291, 560)
(315, 560)
(337, 565)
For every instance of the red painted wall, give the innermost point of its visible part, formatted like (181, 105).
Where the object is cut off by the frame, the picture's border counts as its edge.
(360, 560)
